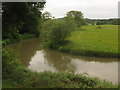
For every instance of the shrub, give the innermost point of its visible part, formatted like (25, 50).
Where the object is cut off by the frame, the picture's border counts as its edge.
(12, 70)
(55, 32)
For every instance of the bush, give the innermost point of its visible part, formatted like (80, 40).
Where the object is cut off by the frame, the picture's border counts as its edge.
(55, 32)
(11, 34)
(13, 73)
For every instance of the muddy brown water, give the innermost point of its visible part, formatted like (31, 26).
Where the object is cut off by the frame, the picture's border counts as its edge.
(31, 55)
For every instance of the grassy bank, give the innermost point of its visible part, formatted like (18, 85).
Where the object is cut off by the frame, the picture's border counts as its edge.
(58, 80)
(94, 41)
(27, 36)
(17, 76)
(22, 37)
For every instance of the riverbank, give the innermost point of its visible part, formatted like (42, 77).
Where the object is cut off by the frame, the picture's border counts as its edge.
(24, 36)
(98, 40)
(22, 77)
(17, 76)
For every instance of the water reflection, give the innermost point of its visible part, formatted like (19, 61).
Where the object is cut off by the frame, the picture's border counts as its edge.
(37, 59)
(39, 63)
(25, 50)
(51, 60)
(58, 60)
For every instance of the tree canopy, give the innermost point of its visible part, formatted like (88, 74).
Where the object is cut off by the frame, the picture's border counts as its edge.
(47, 16)
(55, 31)
(21, 17)
(77, 16)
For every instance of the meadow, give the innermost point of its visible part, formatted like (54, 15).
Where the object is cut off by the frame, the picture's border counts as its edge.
(94, 40)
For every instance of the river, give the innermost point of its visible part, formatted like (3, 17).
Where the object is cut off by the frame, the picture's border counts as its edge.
(31, 55)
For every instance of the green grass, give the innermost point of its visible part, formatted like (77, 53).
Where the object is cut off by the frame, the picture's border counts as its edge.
(22, 37)
(27, 36)
(94, 40)
(59, 80)
(17, 76)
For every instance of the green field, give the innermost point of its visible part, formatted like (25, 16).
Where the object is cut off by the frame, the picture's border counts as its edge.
(94, 41)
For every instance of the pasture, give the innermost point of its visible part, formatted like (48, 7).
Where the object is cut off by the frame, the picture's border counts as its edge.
(97, 40)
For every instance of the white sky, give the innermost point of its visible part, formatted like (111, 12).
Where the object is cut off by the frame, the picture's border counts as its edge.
(90, 8)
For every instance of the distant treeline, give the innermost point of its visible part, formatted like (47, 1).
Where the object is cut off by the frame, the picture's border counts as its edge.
(113, 21)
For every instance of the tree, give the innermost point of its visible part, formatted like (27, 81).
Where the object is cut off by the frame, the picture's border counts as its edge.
(54, 32)
(46, 15)
(10, 21)
(32, 23)
(19, 18)
(77, 16)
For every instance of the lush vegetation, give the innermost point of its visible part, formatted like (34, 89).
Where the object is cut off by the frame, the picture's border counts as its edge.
(17, 76)
(21, 18)
(77, 16)
(25, 20)
(54, 32)
(94, 41)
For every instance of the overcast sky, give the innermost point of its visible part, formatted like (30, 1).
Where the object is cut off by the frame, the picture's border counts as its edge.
(90, 8)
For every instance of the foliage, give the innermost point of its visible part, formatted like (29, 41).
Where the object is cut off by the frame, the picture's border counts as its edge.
(112, 21)
(109, 21)
(17, 76)
(19, 18)
(11, 34)
(12, 69)
(46, 16)
(77, 16)
(54, 32)
(33, 21)
(94, 41)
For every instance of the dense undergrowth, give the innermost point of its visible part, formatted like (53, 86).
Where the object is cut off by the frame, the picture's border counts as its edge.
(17, 76)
